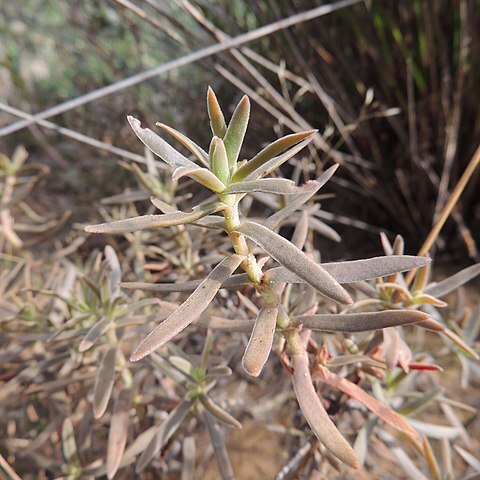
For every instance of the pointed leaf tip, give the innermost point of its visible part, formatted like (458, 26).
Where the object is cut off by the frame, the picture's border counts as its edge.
(217, 119)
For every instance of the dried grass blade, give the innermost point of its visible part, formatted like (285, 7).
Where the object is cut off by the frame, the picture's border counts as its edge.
(272, 150)
(117, 435)
(261, 340)
(164, 433)
(315, 414)
(450, 284)
(159, 146)
(104, 382)
(155, 221)
(191, 309)
(354, 391)
(360, 322)
(281, 186)
(200, 154)
(295, 260)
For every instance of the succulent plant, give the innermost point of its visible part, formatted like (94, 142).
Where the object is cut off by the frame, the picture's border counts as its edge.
(231, 179)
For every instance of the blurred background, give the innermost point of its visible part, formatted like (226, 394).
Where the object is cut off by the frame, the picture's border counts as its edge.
(392, 87)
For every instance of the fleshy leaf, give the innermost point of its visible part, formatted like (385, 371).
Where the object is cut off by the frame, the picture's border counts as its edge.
(200, 154)
(354, 391)
(189, 310)
(273, 221)
(237, 127)
(219, 447)
(104, 382)
(159, 146)
(117, 435)
(164, 433)
(450, 284)
(295, 260)
(94, 333)
(219, 160)
(360, 322)
(217, 120)
(145, 222)
(275, 148)
(219, 412)
(354, 270)
(276, 162)
(202, 176)
(260, 343)
(281, 186)
(315, 413)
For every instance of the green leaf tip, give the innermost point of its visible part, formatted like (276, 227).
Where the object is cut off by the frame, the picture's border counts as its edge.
(219, 160)
(236, 130)
(217, 120)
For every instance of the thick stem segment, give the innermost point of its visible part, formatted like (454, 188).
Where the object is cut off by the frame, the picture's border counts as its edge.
(232, 221)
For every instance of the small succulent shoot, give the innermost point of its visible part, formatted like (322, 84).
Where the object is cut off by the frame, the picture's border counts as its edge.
(220, 171)
(237, 127)
(217, 120)
(219, 160)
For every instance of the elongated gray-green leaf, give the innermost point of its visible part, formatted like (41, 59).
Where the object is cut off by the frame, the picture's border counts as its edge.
(189, 310)
(94, 333)
(219, 447)
(145, 222)
(104, 382)
(450, 284)
(116, 272)
(282, 186)
(315, 413)
(117, 435)
(278, 217)
(270, 151)
(261, 340)
(235, 281)
(354, 270)
(360, 322)
(237, 127)
(276, 162)
(202, 175)
(159, 146)
(164, 433)
(219, 412)
(295, 260)
(200, 154)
